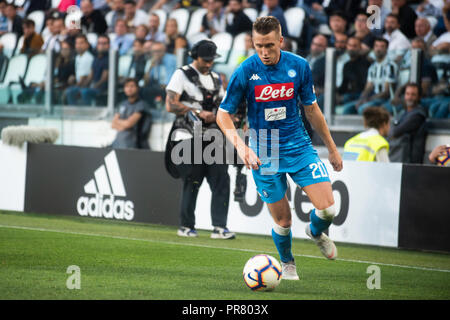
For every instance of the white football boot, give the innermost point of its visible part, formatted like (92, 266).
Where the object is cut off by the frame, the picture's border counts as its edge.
(289, 270)
(325, 244)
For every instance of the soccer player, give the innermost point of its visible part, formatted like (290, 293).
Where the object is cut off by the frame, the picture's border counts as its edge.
(274, 82)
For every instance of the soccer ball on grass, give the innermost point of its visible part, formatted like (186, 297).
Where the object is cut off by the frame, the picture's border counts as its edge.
(262, 273)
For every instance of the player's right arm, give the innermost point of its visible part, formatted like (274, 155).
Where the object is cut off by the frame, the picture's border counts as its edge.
(233, 97)
(247, 155)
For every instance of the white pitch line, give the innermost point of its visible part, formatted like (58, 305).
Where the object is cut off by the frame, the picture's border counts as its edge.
(216, 247)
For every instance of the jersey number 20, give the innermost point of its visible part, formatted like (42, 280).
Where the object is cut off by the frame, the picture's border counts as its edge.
(318, 170)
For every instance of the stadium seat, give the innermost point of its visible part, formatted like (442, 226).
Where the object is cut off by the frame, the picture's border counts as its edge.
(9, 41)
(16, 67)
(124, 65)
(224, 42)
(182, 17)
(294, 21)
(237, 50)
(108, 19)
(162, 18)
(39, 18)
(35, 73)
(19, 46)
(196, 37)
(55, 3)
(252, 13)
(112, 37)
(196, 22)
(92, 38)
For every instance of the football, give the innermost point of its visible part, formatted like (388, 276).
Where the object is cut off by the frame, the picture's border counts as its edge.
(444, 160)
(262, 273)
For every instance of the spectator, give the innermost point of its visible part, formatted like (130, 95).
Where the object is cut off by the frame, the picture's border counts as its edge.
(398, 42)
(123, 41)
(153, 31)
(174, 40)
(375, 29)
(117, 12)
(162, 66)
(141, 32)
(272, 8)
(381, 77)
(53, 42)
(427, 9)
(166, 5)
(32, 42)
(145, 5)
(214, 20)
(14, 20)
(64, 69)
(236, 20)
(354, 72)
(92, 19)
(442, 44)
(127, 120)
(316, 60)
(362, 32)
(71, 35)
(406, 17)
(338, 24)
(133, 16)
(35, 5)
(83, 64)
(370, 145)
(137, 67)
(314, 11)
(423, 30)
(98, 77)
(408, 134)
(428, 76)
(342, 57)
(3, 18)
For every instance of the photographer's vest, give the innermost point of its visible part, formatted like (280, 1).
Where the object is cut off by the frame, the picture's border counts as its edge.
(211, 99)
(364, 148)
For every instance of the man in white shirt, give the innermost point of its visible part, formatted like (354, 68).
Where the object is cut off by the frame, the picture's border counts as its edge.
(195, 91)
(83, 64)
(398, 42)
(153, 33)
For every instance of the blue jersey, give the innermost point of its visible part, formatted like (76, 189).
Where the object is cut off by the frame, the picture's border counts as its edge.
(273, 94)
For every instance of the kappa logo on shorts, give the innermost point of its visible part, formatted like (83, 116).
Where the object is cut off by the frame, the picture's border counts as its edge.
(274, 92)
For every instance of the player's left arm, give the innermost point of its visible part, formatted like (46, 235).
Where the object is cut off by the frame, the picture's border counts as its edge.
(317, 120)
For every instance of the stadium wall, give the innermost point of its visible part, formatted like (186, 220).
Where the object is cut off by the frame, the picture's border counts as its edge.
(391, 205)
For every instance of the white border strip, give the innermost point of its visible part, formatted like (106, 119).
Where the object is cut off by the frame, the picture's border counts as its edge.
(216, 247)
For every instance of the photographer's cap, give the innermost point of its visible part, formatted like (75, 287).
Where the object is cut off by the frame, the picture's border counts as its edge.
(205, 49)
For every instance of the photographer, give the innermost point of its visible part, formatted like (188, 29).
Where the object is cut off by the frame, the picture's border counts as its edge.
(193, 95)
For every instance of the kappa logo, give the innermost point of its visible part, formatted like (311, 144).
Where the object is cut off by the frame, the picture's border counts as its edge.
(255, 77)
(107, 193)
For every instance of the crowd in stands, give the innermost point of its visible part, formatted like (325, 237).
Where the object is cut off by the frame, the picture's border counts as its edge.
(373, 49)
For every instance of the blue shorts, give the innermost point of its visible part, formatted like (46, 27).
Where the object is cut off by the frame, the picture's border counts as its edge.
(272, 187)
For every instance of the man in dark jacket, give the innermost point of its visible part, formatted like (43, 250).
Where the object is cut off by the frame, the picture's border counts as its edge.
(408, 134)
(237, 20)
(92, 20)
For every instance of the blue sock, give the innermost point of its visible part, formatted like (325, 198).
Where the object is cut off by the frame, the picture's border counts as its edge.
(283, 244)
(317, 224)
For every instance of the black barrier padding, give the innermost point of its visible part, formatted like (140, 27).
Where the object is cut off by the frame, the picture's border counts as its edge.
(56, 176)
(425, 208)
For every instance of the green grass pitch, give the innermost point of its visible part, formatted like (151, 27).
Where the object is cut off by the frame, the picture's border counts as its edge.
(120, 260)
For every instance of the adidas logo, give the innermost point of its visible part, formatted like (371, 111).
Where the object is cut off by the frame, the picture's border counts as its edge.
(107, 192)
(255, 77)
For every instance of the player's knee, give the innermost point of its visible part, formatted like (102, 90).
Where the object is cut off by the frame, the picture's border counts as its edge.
(327, 213)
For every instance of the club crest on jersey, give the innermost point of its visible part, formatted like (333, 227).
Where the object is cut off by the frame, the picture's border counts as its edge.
(274, 92)
(292, 73)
